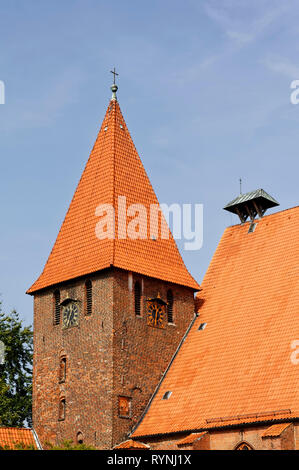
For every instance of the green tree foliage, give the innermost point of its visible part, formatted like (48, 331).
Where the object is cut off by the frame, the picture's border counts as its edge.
(16, 372)
(69, 445)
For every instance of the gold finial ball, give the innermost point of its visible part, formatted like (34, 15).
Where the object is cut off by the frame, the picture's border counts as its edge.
(114, 88)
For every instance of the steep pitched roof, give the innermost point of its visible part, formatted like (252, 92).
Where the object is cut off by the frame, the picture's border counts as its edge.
(12, 437)
(242, 367)
(114, 169)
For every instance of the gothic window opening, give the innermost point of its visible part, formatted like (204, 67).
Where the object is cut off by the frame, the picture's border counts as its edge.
(56, 301)
(62, 407)
(243, 446)
(170, 306)
(88, 297)
(62, 369)
(124, 407)
(137, 292)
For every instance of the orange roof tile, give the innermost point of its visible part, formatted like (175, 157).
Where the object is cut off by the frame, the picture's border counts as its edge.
(113, 169)
(12, 436)
(191, 438)
(275, 430)
(130, 444)
(239, 368)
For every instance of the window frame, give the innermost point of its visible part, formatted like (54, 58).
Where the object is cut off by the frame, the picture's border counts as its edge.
(62, 409)
(62, 370)
(129, 399)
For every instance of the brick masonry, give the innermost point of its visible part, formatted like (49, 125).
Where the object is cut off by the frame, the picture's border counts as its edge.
(111, 353)
(230, 439)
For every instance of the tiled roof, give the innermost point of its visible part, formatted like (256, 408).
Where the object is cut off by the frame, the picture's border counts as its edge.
(13, 436)
(130, 444)
(191, 438)
(113, 169)
(275, 430)
(240, 368)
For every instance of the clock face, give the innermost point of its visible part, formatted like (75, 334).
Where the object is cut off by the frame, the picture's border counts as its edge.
(156, 314)
(70, 315)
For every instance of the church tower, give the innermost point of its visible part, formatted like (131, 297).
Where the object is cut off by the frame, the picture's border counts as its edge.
(112, 303)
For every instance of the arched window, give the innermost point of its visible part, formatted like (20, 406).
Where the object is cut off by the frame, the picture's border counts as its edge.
(79, 438)
(56, 304)
(62, 369)
(62, 407)
(137, 292)
(88, 297)
(169, 306)
(243, 446)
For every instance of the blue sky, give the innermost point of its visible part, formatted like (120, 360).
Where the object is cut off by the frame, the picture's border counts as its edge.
(204, 87)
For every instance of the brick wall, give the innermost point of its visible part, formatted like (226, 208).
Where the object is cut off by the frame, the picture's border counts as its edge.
(111, 354)
(89, 373)
(228, 440)
(142, 353)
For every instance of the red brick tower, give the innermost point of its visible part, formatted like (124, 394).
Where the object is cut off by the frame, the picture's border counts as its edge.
(109, 309)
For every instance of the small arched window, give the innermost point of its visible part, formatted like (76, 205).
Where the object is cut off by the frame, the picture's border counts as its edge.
(88, 297)
(169, 306)
(62, 369)
(137, 292)
(79, 438)
(62, 408)
(56, 304)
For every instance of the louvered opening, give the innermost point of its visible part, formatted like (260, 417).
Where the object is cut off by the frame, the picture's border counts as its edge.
(56, 307)
(88, 294)
(170, 306)
(137, 298)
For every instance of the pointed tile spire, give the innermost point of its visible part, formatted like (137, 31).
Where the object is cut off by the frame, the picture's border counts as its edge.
(113, 176)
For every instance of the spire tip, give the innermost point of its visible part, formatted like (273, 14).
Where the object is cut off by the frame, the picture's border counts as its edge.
(114, 87)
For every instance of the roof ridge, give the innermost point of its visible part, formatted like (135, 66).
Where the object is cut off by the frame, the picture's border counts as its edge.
(264, 217)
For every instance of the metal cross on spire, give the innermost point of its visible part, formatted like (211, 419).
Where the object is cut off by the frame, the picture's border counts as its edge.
(114, 87)
(114, 73)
